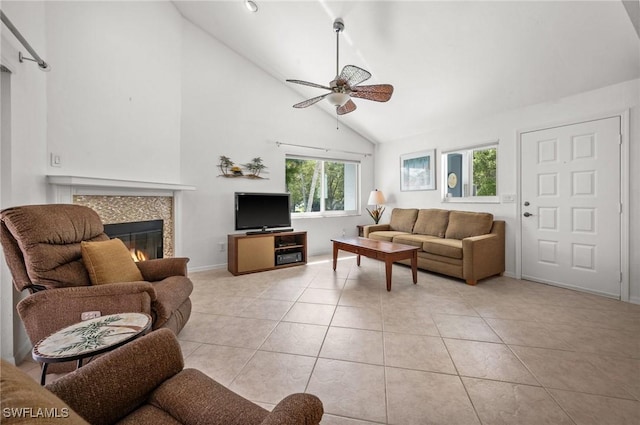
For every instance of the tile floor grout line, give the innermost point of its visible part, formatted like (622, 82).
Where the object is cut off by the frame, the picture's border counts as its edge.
(320, 349)
(550, 394)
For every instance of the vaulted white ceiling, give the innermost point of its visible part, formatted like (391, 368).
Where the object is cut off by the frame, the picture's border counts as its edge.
(449, 61)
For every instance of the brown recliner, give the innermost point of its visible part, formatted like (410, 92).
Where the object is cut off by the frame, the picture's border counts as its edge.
(143, 382)
(41, 244)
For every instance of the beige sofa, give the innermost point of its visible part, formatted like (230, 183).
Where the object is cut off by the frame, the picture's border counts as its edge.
(462, 244)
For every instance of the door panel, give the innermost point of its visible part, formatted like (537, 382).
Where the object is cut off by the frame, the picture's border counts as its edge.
(571, 198)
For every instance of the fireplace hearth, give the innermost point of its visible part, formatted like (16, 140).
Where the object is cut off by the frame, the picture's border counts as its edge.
(143, 238)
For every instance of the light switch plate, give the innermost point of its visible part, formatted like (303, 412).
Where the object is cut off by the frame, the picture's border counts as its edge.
(56, 160)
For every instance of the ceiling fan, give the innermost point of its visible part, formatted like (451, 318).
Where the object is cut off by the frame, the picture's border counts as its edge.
(346, 84)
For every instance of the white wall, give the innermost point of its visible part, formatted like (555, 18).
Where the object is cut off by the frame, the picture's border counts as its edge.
(23, 165)
(232, 108)
(505, 128)
(114, 91)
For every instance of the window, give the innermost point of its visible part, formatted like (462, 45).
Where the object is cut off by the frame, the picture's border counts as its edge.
(471, 174)
(322, 187)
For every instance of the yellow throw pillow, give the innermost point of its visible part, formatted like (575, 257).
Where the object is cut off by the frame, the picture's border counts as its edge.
(109, 262)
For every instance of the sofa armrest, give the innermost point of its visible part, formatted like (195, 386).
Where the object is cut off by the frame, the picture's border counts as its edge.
(482, 256)
(296, 409)
(374, 228)
(50, 310)
(161, 268)
(191, 397)
(115, 384)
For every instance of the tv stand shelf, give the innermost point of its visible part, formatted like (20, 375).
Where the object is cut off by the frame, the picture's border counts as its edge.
(250, 253)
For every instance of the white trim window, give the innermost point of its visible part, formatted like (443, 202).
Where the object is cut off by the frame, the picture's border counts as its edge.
(471, 174)
(322, 187)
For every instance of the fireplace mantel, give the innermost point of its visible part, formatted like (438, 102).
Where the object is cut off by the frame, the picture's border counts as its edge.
(118, 201)
(65, 187)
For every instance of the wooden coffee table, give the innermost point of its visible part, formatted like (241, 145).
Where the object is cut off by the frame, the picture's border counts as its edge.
(388, 252)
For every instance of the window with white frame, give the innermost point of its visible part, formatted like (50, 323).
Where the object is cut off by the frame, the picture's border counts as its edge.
(322, 187)
(471, 173)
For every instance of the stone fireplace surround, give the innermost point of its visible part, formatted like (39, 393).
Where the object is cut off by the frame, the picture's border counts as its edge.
(119, 201)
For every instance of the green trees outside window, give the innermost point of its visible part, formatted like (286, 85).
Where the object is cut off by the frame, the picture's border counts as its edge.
(484, 171)
(318, 185)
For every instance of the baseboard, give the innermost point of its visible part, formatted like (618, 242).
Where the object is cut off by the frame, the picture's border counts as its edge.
(509, 274)
(634, 300)
(207, 267)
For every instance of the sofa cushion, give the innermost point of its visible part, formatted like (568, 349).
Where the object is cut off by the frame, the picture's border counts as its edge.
(451, 248)
(109, 262)
(463, 224)
(432, 221)
(413, 240)
(403, 219)
(148, 414)
(385, 235)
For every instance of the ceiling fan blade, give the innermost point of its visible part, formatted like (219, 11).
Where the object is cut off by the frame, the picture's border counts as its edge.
(346, 108)
(352, 75)
(378, 92)
(306, 83)
(310, 102)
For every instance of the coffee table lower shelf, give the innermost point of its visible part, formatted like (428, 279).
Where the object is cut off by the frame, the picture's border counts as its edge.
(388, 252)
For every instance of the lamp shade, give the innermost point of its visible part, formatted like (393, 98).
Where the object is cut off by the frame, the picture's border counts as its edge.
(337, 99)
(376, 198)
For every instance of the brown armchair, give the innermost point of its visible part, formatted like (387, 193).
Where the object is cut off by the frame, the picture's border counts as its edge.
(41, 244)
(143, 382)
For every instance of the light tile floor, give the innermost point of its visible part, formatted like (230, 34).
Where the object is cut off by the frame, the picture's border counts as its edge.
(440, 352)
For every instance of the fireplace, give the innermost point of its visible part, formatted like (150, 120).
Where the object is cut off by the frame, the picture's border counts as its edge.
(143, 238)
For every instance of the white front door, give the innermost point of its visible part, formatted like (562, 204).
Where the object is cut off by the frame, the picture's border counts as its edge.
(570, 180)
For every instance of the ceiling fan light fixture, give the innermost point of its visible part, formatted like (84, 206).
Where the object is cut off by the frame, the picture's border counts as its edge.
(337, 99)
(346, 84)
(251, 6)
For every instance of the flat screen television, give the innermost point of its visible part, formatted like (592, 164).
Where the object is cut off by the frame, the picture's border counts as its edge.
(262, 210)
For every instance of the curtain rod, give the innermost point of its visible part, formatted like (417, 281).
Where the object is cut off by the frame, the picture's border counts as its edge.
(365, 154)
(41, 63)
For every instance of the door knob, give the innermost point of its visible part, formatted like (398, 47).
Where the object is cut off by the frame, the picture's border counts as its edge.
(527, 214)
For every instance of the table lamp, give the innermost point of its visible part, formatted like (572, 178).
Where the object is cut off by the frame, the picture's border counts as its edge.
(376, 198)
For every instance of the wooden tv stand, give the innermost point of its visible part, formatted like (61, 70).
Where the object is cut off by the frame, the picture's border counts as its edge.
(265, 251)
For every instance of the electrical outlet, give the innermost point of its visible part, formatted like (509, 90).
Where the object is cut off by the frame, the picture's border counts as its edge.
(344, 232)
(221, 246)
(86, 315)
